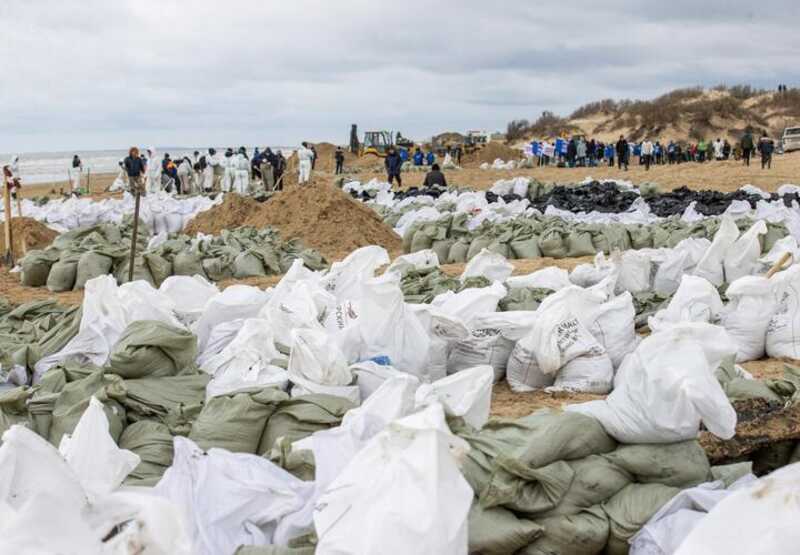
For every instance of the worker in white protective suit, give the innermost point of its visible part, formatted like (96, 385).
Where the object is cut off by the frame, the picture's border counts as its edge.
(186, 176)
(207, 165)
(11, 178)
(305, 157)
(75, 171)
(153, 179)
(242, 177)
(228, 164)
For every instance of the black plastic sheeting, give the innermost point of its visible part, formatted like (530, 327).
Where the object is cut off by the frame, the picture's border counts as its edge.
(609, 197)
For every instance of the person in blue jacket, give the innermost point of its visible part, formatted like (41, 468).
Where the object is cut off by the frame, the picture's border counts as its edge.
(418, 157)
(430, 158)
(393, 164)
(404, 155)
(610, 154)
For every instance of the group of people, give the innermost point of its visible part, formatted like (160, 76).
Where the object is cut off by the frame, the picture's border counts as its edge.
(234, 171)
(578, 152)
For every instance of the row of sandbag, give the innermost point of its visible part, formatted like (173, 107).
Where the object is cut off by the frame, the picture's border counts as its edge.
(85, 253)
(533, 237)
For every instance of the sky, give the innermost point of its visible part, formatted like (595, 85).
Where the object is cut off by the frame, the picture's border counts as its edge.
(95, 74)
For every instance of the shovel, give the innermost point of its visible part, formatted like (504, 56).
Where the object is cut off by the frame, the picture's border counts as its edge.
(778, 266)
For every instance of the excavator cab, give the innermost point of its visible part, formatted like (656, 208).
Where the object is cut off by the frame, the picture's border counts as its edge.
(376, 143)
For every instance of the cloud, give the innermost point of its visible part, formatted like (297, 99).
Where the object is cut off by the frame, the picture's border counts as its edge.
(100, 74)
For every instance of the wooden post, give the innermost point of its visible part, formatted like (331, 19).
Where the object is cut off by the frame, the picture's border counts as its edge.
(135, 233)
(778, 266)
(8, 258)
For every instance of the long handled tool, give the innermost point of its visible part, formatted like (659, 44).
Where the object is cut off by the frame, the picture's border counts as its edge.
(135, 232)
(778, 266)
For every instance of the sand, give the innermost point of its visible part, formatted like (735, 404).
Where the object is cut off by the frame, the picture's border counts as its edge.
(322, 216)
(26, 234)
(491, 152)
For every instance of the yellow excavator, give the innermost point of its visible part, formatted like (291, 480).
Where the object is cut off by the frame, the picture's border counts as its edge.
(377, 143)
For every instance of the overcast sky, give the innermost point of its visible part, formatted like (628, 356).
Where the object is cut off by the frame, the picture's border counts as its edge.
(89, 74)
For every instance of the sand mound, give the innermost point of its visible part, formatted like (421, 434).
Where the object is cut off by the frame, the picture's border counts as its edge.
(491, 152)
(27, 234)
(322, 216)
(231, 214)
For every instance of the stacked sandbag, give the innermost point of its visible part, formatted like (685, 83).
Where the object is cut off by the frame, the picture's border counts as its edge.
(555, 482)
(82, 254)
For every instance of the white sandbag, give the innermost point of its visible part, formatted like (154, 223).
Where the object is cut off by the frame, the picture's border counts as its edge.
(742, 257)
(189, 294)
(420, 260)
(490, 341)
(219, 338)
(370, 376)
(231, 499)
(234, 303)
(781, 247)
(783, 339)
(710, 266)
(635, 271)
(314, 360)
(586, 275)
(444, 332)
(759, 519)
(345, 278)
(93, 455)
(246, 362)
(696, 300)
(613, 325)
(522, 371)
(747, 315)
(471, 302)
(589, 373)
(669, 527)
(412, 463)
(295, 306)
(467, 394)
(488, 264)
(670, 271)
(547, 278)
(666, 388)
(520, 187)
(502, 186)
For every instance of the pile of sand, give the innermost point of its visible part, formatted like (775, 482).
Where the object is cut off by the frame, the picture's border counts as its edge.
(26, 234)
(231, 214)
(322, 216)
(490, 152)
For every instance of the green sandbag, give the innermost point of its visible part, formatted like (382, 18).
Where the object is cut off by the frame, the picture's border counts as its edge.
(500, 248)
(301, 416)
(442, 249)
(741, 389)
(163, 399)
(730, 473)
(421, 241)
(159, 267)
(152, 441)
(50, 341)
(247, 264)
(408, 236)
(13, 408)
(596, 479)
(526, 248)
(630, 509)
(552, 244)
(641, 236)
(683, 464)
(140, 271)
(298, 462)
(498, 531)
(458, 252)
(74, 399)
(477, 245)
(218, 268)
(90, 266)
(585, 533)
(188, 263)
(236, 422)
(312, 260)
(36, 267)
(62, 276)
(152, 348)
(579, 243)
(523, 298)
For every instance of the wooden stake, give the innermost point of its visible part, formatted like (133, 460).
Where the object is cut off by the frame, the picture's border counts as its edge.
(135, 232)
(778, 266)
(8, 258)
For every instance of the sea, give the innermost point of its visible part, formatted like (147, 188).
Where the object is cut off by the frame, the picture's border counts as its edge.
(45, 167)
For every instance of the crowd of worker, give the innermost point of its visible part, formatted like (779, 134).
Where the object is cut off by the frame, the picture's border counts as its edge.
(578, 152)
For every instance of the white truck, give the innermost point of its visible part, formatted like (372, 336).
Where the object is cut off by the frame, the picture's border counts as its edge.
(791, 139)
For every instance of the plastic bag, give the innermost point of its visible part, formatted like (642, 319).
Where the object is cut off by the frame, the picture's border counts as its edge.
(412, 463)
(490, 265)
(467, 394)
(666, 388)
(316, 361)
(710, 266)
(742, 257)
(696, 300)
(235, 302)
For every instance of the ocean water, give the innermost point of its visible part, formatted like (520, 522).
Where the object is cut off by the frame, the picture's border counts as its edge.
(44, 167)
